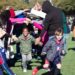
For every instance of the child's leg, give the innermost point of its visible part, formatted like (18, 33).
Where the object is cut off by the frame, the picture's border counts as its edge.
(46, 61)
(56, 71)
(46, 65)
(29, 57)
(24, 61)
(58, 62)
(57, 65)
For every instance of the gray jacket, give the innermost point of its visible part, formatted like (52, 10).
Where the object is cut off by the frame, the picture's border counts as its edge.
(51, 48)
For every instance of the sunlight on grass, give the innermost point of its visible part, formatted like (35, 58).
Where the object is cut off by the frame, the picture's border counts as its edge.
(68, 63)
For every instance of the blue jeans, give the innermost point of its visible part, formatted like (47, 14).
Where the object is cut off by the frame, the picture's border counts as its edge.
(4, 64)
(1, 73)
(65, 37)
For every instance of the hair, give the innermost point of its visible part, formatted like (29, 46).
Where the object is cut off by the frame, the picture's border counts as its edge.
(58, 31)
(25, 28)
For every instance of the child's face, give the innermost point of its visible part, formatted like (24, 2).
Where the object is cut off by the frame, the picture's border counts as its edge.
(59, 36)
(25, 32)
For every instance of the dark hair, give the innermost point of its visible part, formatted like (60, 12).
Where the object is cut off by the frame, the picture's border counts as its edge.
(29, 27)
(25, 28)
(60, 30)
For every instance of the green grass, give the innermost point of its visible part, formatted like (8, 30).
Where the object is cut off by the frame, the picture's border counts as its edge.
(69, 60)
(68, 63)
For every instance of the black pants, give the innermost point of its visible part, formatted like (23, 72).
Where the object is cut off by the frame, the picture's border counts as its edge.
(54, 69)
(57, 71)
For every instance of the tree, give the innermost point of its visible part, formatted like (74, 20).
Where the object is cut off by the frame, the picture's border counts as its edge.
(18, 4)
(66, 5)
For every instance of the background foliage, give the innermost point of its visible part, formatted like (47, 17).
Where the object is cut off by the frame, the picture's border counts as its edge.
(66, 5)
(18, 4)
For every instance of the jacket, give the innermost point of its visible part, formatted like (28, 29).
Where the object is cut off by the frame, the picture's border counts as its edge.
(26, 45)
(51, 48)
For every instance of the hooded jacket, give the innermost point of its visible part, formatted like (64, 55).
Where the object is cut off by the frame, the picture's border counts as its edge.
(53, 19)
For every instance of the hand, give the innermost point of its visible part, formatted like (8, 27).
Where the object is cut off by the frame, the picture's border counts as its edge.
(59, 65)
(40, 43)
(2, 32)
(26, 10)
(14, 37)
(27, 21)
(37, 41)
(43, 53)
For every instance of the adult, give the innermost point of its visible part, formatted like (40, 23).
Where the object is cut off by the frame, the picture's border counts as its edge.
(73, 30)
(54, 19)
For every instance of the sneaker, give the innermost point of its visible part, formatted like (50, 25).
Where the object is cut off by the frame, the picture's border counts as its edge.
(45, 66)
(48, 69)
(34, 72)
(24, 70)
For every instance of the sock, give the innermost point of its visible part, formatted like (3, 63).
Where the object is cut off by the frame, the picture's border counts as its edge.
(46, 61)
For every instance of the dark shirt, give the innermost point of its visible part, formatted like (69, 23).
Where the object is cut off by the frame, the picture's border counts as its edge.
(53, 19)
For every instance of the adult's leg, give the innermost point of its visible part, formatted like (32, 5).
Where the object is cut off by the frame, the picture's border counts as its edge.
(1, 73)
(4, 64)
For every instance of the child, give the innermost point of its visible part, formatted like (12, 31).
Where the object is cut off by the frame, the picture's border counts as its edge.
(26, 41)
(54, 48)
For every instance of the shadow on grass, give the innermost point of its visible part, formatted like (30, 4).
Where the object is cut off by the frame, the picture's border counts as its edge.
(11, 62)
(71, 49)
(4, 73)
(49, 73)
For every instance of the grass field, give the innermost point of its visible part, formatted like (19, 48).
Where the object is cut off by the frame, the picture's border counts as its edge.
(68, 63)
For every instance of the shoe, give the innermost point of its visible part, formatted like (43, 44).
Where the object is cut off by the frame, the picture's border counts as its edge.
(24, 70)
(34, 72)
(45, 66)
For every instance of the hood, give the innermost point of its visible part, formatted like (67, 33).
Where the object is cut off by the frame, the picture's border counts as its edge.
(46, 6)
